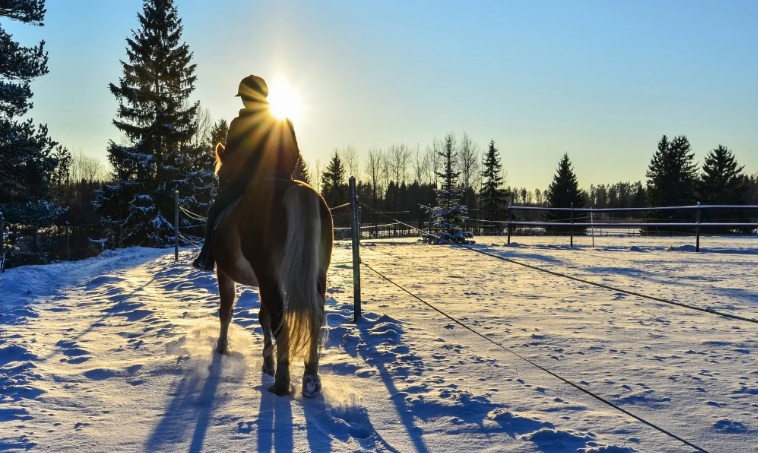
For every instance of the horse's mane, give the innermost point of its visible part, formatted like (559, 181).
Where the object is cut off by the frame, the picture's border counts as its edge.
(220, 149)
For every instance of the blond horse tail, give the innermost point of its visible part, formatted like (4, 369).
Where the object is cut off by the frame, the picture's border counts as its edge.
(302, 262)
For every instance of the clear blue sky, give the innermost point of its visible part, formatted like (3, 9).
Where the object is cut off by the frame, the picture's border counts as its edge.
(599, 80)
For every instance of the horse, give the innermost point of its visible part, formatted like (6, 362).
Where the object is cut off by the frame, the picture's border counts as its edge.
(277, 236)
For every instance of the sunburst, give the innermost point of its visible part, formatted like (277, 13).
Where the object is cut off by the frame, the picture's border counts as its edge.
(283, 101)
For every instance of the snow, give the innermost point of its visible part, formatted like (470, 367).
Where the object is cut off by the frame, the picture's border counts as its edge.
(115, 353)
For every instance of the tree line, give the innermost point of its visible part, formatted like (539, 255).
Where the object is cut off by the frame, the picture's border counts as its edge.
(166, 148)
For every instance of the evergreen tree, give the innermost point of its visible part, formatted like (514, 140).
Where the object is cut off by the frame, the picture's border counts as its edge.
(159, 124)
(301, 171)
(672, 174)
(449, 214)
(564, 192)
(29, 158)
(672, 179)
(333, 186)
(493, 197)
(722, 182)
(218, 133)
(751, 196)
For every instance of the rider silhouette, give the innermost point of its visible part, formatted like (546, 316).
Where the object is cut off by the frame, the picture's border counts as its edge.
(258, 146)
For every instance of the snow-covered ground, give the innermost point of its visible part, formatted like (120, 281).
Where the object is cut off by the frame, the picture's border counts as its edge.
(115, 353)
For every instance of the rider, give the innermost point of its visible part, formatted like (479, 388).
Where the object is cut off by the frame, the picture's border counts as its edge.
(261, 147)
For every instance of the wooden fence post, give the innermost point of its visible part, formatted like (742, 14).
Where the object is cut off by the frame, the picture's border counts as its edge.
(176, 225)
(697, 228)
(356, 231)
(571, 228)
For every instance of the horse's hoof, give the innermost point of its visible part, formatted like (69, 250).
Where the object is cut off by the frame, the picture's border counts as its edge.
(222, 347)
(281, 390)
(311, 385)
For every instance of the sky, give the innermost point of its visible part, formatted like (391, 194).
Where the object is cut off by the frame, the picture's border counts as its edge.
(601, 81)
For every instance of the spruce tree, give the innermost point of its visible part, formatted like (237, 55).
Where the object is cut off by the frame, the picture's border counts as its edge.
(671, 179)
(493, 196)
(29, 158)
(672, 173)
(722, 182)
(722, 179)
(449, 214)
(333, 184)
(301, 171)
(564, 192)
(159, 124)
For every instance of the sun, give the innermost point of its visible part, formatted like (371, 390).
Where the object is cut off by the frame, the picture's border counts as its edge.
(283, 101)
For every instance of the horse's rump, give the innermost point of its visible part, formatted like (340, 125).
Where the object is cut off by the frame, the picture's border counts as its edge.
(281, 230)
(304, 262)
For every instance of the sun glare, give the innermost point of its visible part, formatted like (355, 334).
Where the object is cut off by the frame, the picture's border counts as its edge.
(283, 101)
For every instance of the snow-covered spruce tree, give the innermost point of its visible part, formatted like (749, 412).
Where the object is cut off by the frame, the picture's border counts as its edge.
(493, 197)
(449, 214)
(564, 192)
(162, 153)
(29, 158)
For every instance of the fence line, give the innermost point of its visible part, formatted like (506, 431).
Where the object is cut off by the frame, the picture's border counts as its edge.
(536, 365)
(599, 285)
(697, 224)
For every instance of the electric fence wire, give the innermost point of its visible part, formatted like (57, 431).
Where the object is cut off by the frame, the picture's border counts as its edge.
(588, 282)
(536, 365)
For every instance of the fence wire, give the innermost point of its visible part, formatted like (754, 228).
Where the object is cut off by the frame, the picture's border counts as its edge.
(535, 364)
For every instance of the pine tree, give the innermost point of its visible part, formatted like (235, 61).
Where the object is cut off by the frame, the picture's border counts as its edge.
(218, 133)
(564, 192)
(155, 116)
(672, 179)
(29, 158)
(672, 174)
(493, 197)
(301, 171)
(449, 214)
(333, 184)
(722, 182)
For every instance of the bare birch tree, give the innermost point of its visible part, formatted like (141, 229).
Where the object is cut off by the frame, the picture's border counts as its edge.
(350, 160)
(468, 161)
(421, 166)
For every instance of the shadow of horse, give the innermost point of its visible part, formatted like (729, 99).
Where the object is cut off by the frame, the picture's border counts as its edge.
(192, 406)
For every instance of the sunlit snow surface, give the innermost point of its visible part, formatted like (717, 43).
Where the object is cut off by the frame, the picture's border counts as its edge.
(115, 353)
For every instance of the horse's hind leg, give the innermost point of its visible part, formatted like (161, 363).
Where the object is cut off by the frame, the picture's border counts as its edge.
(311, 379)
(272, 297)
(264, 318)
(226, 291)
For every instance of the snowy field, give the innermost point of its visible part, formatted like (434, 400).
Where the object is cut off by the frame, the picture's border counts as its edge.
(115, 353)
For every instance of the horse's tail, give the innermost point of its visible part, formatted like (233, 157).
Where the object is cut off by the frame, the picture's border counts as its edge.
(302, 270)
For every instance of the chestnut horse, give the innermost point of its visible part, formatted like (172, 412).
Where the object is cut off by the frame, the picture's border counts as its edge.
(276, 236)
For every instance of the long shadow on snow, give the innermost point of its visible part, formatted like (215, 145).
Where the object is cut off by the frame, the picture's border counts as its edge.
(191, 408)
(515, 252)
(383, 363)
(457, 405)
(274, 421)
